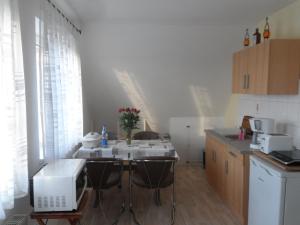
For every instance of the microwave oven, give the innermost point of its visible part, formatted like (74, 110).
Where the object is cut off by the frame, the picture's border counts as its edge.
(59, 186)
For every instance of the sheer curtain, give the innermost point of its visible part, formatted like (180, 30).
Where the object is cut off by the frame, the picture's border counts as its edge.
(59, 77)
(13, 139)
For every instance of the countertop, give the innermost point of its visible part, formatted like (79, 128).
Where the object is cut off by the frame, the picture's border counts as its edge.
(268, 158)
(241, 146)
(244, 148)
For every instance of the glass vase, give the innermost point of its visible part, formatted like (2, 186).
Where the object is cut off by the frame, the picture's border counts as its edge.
(128, 137)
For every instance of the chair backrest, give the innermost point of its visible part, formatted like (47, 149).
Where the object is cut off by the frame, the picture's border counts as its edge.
(154, 170)
(146, 135)
(99, 170)
(112, 135)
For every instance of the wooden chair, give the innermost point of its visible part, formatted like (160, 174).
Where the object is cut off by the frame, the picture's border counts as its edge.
(112, 135)
(103, 174)
(146, 135)
(153, 173)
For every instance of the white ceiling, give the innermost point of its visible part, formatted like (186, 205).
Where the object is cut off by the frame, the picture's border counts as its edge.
(219, 12)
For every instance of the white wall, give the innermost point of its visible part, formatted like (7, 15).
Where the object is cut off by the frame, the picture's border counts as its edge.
(284, 109)
(166, 70)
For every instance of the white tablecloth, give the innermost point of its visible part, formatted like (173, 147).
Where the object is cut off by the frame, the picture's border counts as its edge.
(138, 148)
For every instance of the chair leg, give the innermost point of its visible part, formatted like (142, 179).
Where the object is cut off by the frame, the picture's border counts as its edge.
(96, 202)
(101, 197)
(122, 210)
(173, 205)
(130, 198)
(120, 184)
(157, 197)
(173, 198)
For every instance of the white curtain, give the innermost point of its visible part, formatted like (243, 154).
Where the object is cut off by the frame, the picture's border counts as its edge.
(59, 84)
(13, 139)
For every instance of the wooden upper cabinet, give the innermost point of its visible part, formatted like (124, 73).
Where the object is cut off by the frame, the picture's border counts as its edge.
(243, 72)
(261, 86)
(272, 67)
(236, 78)
(283, 66)
(251, 70)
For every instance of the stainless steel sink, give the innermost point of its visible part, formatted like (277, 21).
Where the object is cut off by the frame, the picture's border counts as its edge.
(234, 137)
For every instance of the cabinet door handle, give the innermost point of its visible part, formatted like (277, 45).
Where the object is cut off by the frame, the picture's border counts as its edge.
(232, 154)
(253, 163)
(226, 167)
(244, 84)
(267, 171)
(248, 81)
(262, 180)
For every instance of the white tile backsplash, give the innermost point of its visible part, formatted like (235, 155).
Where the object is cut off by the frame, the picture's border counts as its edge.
(284, 109)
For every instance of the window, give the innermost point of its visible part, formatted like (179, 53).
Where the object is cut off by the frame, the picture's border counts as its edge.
(39, 48)
(59, 85)
(13, 130)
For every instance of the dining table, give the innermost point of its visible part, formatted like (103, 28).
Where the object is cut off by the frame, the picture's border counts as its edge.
(121, 150)
(138, 149)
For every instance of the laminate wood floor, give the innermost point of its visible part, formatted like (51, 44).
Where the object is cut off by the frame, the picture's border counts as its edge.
(196, 203)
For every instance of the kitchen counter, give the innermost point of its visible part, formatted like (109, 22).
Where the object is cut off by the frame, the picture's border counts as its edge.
(269, 159)
(242, 147)
(227, 169)
(230, 170)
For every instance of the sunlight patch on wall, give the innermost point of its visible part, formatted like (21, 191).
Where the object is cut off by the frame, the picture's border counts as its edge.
(203, 105)
(136, 96)
(202, 101)
(231, 112)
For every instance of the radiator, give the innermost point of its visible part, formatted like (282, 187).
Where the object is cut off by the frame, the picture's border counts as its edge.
(17, 219)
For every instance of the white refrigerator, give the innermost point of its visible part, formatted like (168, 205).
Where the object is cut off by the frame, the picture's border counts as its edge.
(274, 195)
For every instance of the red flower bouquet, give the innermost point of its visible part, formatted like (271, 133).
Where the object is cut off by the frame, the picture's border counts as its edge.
(128, 121)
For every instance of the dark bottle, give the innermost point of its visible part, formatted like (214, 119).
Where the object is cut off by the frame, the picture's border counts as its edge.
(257, 36)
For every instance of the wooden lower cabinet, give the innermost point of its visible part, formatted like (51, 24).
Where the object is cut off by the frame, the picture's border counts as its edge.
(210, 161)
(220, 175)
(227, 172)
